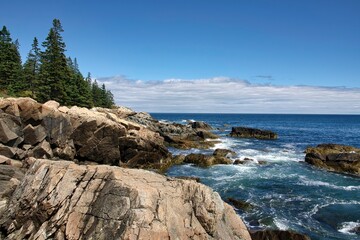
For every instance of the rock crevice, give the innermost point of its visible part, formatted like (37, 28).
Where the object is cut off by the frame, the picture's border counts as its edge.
(63, 200)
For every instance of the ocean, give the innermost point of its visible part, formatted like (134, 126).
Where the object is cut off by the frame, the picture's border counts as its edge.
(286, 193)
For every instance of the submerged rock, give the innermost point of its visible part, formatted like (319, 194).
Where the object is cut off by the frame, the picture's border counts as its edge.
(335, 157)
(63, 200)
(245, 132)
(278, 235)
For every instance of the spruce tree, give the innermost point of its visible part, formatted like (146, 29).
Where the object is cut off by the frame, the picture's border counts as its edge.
(54, 73)
(10, 63)
(32, 66)
(96, 94)
(80, 90)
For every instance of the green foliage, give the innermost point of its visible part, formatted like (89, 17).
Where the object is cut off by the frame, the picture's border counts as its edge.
(54, 71)
(10, 63)
(48, 74)
(101, 96)
(32, 68)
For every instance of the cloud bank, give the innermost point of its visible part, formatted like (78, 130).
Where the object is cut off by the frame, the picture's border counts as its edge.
(227, 95)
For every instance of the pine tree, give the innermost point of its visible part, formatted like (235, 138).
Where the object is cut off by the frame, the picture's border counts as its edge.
(32, 67)
(54, 73)
(10, 62)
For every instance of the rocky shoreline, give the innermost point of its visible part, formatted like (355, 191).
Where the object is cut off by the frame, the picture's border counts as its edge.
(57, 164)
(65, 174)
(335, 157)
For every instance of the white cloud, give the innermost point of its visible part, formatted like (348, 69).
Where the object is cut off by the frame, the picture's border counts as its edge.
(226, 95)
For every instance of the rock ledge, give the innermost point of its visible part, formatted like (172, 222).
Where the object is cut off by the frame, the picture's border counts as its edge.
(63, 200)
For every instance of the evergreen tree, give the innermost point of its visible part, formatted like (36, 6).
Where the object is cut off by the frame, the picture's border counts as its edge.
(54, 72)
(80, 90)
(96, 94)
(32, 66)
(10, 62)
(48, 74)
(107, 99)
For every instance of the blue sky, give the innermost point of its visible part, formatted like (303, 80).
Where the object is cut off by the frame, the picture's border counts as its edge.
(275, 43)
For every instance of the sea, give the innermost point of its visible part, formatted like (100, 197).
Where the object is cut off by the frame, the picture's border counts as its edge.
(286, 193)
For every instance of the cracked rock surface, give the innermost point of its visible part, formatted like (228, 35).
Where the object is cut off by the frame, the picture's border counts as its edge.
(63, 200)
(51, 131)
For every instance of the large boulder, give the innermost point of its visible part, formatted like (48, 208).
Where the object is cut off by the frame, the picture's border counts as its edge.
(28, 128)
(203, 160)
(335, 157)
(200, 125)
(62, 200)
(10, 130)
(245, 132)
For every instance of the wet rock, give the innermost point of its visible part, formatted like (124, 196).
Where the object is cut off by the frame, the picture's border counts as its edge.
(262, 162)
(335, 157)
(238, 161)
(200, 125)
(245, 132)
(220, 152)
(278, 235)
(77, 202)
(206, 135)
(240, 204)
(203, 160)
(355, 230)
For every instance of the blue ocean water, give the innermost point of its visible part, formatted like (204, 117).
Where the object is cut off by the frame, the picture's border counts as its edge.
(286, 193)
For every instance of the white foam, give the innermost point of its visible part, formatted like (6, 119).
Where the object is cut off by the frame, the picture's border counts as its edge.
(280, 224)
(333, 202)
(188, 121)
(307, 182)
(348, 227)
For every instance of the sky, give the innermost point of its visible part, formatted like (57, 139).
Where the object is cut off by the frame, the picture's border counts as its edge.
(234, 56)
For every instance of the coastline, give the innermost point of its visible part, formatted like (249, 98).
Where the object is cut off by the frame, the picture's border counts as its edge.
(143, 141)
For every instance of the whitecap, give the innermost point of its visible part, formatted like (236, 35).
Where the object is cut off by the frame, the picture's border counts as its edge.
(348, 227)
(307, 182)
(280, 224)
(317, 207)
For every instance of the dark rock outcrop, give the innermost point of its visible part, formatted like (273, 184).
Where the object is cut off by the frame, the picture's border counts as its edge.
(220, 152)
(335, 157)
(63, 200)
(240, 204)
(278, 235)
(203, 160)
(245, 132)
(200, 125)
